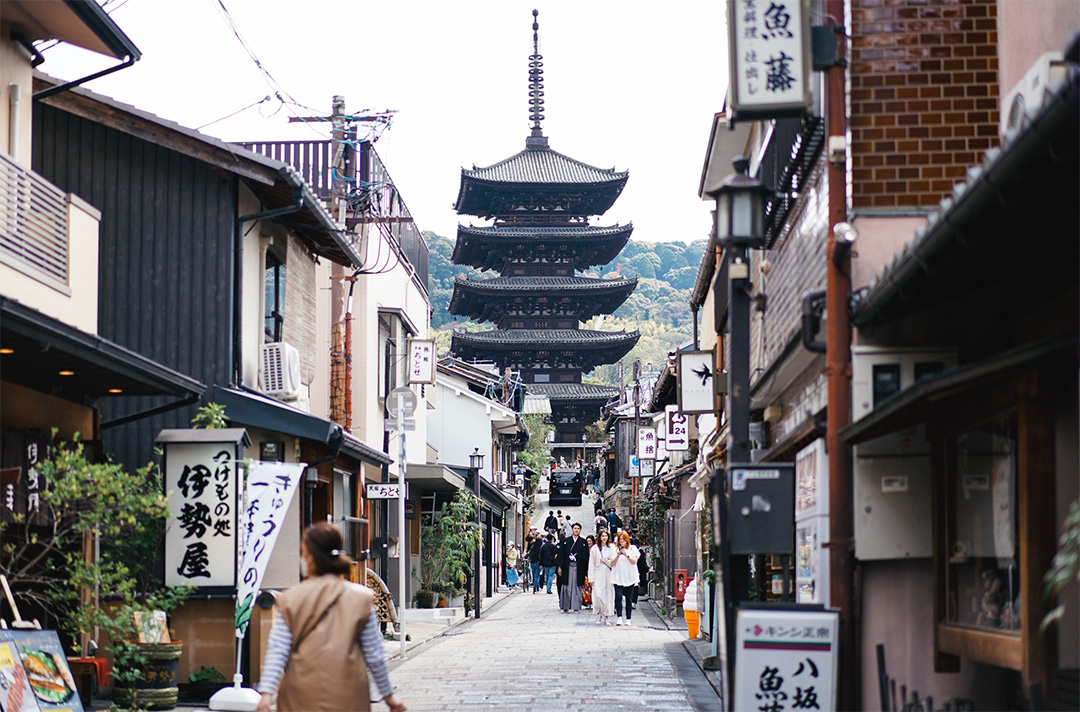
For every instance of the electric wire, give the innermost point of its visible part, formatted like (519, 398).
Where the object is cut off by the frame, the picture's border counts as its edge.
(229, 116)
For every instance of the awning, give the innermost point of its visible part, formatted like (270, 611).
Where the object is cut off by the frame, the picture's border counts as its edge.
(914, 405)
(434, 478)
(255, 409)
(42, 348)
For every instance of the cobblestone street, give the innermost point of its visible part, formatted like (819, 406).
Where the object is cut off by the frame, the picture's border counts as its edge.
(525, 654)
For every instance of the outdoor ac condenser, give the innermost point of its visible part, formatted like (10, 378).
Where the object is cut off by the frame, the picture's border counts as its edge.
(1027, 97)
(281, 370)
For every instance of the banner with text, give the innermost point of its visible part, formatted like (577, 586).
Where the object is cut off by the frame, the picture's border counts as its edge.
(270, 488)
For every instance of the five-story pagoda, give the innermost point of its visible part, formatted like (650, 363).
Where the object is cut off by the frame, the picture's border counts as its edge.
(539, 202)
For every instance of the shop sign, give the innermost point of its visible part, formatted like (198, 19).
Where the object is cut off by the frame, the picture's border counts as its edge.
(382, 490)
(646, 443)
(786, 659)
(697, 390)
(421, 361)
(769, 62)
(200, 539)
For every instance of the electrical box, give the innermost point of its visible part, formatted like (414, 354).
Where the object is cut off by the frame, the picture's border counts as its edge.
(762, 514)
(893, 509)
(879, 373)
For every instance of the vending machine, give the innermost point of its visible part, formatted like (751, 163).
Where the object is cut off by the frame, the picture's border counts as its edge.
(811, 524)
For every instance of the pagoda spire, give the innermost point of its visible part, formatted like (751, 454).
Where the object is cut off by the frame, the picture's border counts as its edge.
(536, 90)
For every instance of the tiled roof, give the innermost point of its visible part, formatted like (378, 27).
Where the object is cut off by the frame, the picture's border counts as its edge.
(531, 284)
(547, 338)
(534, 234)
(543, 165)
(572, 391)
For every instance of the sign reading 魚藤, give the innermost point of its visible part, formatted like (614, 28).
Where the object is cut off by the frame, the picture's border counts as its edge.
(270, 488)
(421, 361)
(200, 540)
(646, 443)
(769, 45)
(677, 427)
(786, 659)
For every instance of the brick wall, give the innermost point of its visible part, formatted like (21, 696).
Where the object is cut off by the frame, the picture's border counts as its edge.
(924, 97)
(298, 328)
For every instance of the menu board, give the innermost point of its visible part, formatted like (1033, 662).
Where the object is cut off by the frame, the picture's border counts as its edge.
(45, 669)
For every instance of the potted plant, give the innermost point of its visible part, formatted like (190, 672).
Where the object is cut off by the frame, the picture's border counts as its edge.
(446, 545)
(424, 599)
(202, 684)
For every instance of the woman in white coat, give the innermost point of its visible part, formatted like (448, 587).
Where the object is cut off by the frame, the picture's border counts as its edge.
(601, 559)
(625, 577)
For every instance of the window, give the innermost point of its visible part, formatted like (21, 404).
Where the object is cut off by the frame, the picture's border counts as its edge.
(886, 381)
(542, 378)
(273, 299)
(983, 575)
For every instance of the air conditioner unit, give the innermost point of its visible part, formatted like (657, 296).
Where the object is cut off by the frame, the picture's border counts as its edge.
(281, 371)
(1027, 97)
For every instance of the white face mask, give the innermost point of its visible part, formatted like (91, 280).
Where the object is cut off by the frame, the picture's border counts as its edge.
(303, 567)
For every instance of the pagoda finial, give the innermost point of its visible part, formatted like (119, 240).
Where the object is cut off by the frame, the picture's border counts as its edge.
(536, 89)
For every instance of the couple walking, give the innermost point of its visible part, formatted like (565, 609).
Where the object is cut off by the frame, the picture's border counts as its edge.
(613, 572)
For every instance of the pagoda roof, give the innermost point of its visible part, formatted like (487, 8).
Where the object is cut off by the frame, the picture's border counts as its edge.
(485, 247)
(486, 299)
(595, 347)
(573, 391)
(556, 184)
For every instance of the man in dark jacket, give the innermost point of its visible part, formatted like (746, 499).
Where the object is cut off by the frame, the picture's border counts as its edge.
(614, 523)
(551, 524)
(573, 569)
(549, 559)
(535, 547)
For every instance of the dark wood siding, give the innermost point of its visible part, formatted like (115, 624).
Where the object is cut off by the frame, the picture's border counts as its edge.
(165, 270)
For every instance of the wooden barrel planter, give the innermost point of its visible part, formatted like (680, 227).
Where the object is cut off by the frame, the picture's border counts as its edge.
(157, 688)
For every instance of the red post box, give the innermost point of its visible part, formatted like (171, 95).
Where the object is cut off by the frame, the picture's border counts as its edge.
(680, 584)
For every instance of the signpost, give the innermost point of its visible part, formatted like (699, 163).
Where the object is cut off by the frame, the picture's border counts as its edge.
(401, 402)
(677, 427)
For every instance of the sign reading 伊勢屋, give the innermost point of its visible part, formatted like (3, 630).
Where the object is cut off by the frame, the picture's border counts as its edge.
(769, 45)
(786, 659)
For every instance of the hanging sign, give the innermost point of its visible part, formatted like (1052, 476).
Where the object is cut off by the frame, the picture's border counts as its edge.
(697, 370)
(270, 488)
(786, 659)
(383, 490)
(769, 62)
(646, 443)
(421, 361)
(677, 427)
(201, 482)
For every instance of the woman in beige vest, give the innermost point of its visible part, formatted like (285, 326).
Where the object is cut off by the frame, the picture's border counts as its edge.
(324, 638)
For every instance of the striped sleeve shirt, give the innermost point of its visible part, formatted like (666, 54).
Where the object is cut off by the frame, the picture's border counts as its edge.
(279, 645)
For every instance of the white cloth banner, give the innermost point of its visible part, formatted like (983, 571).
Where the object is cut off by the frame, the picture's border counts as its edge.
(270, 488)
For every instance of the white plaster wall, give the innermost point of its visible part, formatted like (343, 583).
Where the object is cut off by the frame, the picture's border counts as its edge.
(80, 307)
(15, 69)
(879, 239)
(460, 423)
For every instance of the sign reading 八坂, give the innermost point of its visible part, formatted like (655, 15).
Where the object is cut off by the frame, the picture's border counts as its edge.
(201, 483)
(769, 45)
(786, 659)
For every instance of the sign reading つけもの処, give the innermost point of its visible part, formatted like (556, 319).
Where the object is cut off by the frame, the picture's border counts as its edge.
(201, 483)
(769, 66)
(787, 659)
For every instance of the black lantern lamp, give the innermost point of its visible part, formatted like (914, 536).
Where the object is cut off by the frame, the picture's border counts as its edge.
(740, 208)
(476, 460)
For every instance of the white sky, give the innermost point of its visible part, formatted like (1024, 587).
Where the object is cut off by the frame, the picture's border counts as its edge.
(630, 85)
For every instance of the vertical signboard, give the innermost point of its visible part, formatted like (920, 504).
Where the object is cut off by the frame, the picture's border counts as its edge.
(677, 427)
(769, 45)
(786, 659)
(201, 483)
(421, 361)
(646, 443)
(697, 387)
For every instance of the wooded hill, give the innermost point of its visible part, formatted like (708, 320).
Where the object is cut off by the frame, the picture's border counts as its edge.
(659, 307)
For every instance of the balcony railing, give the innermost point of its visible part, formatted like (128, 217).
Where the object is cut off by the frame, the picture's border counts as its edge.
(33, 224)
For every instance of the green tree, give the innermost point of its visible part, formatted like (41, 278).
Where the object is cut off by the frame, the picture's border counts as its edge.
(537, 454)
(447, 543)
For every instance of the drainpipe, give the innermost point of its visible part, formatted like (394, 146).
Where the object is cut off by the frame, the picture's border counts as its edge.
(841, 542)
(15, 97)
(238, 269)
(128, 61)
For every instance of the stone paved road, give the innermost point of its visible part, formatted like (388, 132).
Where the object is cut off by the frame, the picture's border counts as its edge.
(524, 654)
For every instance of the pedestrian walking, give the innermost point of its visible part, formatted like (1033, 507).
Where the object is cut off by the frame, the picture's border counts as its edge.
(325, 637)
(551, 524)
(572, 569)
(601, 559)
(614, 523)
(549, 559)
(566, 527)
(511, 565)
(643, 571)
(600, 522)
(625, 576)
(534, 562)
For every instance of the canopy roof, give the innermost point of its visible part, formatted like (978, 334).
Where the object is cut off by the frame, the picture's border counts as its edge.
(491, 247)
(584, 297)
(538, 180)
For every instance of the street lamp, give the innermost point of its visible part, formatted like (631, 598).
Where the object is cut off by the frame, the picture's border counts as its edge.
(476, 462)
(740, 226)
(740, 208)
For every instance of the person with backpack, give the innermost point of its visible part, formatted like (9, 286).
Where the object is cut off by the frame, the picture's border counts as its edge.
(614, 523)
(549, 554)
